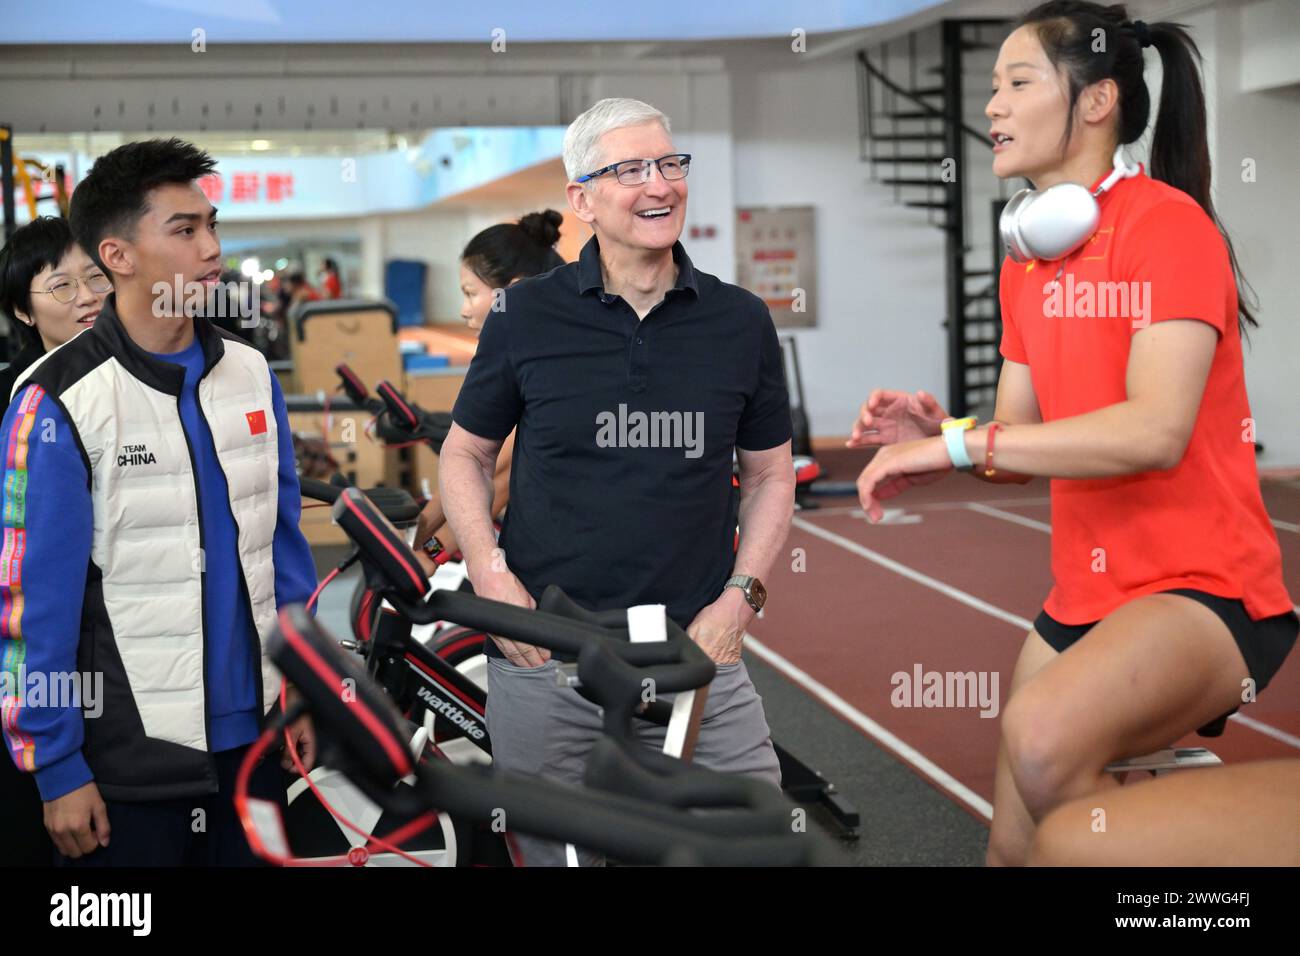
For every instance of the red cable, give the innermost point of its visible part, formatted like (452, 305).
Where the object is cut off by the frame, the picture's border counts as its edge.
(251, 760)
(404, 832)
(311, 601)
(311, 785)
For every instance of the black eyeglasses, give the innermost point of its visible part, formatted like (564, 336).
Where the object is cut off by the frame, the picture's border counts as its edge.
(634, 172)
(65, 290)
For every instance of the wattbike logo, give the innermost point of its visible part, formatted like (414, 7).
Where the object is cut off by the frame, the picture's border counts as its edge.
(446, 708)
(135, 455)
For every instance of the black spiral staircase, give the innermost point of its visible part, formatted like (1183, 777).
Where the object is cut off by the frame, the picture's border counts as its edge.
(915, 127)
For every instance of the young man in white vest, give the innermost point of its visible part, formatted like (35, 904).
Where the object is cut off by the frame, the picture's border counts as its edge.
(150, 517)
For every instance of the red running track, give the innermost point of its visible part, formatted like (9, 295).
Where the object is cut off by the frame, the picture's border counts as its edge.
(951, 584)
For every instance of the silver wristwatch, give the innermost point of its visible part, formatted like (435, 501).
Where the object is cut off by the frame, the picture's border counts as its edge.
(751, 587)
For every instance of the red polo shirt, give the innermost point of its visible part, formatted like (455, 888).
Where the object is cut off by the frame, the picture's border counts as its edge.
(1155, 256)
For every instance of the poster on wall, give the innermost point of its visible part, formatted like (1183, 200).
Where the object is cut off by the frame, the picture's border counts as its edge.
(776, 259)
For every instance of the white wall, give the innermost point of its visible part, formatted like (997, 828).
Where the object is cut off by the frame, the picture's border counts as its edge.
(880, 266)
(698, 106)
(1261, 216)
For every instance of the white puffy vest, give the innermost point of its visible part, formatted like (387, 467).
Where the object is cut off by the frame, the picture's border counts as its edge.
(147, 539)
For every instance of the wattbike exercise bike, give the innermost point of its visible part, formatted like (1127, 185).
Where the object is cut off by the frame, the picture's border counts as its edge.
(637, 805)
(446, 687)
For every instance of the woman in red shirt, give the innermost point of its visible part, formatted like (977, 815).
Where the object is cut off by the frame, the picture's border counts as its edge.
(1123, 383)
(330, 279)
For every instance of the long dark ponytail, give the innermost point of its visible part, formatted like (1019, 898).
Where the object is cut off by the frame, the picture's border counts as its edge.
(1092, 42)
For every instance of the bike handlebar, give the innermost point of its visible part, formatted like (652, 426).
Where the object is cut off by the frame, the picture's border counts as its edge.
(747, 826)
(353, 387)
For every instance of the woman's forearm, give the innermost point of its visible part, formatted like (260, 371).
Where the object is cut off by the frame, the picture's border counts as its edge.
(1112, 441)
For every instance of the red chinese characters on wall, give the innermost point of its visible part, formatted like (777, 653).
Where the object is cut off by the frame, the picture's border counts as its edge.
(246, 187)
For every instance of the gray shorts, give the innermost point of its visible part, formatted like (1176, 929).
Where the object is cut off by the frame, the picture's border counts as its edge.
(538, 727)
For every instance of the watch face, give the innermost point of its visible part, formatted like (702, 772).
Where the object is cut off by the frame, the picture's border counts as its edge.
(758, 592)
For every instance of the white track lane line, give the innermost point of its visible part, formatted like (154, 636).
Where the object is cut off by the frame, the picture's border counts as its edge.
(875, 731)
(924, 579)
(1285, 525)
(1009, 516)
(932, 506)
(1267, 729)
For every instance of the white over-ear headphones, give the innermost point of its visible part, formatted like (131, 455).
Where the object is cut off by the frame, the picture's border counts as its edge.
(1053, 223)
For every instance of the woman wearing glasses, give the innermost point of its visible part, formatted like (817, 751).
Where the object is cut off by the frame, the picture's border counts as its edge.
(49, 289)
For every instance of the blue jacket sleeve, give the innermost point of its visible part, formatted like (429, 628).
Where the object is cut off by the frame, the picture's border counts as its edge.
(295, 570)
(48, 525)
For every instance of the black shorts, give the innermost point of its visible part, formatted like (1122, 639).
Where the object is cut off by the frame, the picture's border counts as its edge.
(1264, 644)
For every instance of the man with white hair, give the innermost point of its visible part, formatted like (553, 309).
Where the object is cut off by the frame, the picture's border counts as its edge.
(631, 377)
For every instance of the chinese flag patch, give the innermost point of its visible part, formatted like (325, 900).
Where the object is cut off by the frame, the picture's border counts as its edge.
(256, 422)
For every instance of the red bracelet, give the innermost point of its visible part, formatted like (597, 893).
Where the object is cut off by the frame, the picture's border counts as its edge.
(988, 450)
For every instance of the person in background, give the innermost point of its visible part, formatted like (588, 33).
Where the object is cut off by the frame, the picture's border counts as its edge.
(496, 258)
(297, 289)
(50, 290)
(329, 280)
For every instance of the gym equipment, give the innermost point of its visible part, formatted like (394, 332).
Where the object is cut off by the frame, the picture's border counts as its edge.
(440, 680)
(364, 333)
(1161, 762)
(638, 804)
(801, 440)
(17, 170)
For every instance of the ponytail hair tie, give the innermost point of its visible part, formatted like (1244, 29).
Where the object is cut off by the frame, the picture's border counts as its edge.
(1142, 32)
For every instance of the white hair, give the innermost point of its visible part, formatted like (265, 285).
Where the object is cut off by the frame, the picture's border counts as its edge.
(581, 139)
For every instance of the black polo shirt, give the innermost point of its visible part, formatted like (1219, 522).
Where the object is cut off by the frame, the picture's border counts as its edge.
(620, 490)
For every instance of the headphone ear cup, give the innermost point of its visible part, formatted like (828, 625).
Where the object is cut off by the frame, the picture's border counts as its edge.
(1051, 224)
(1008, 226)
